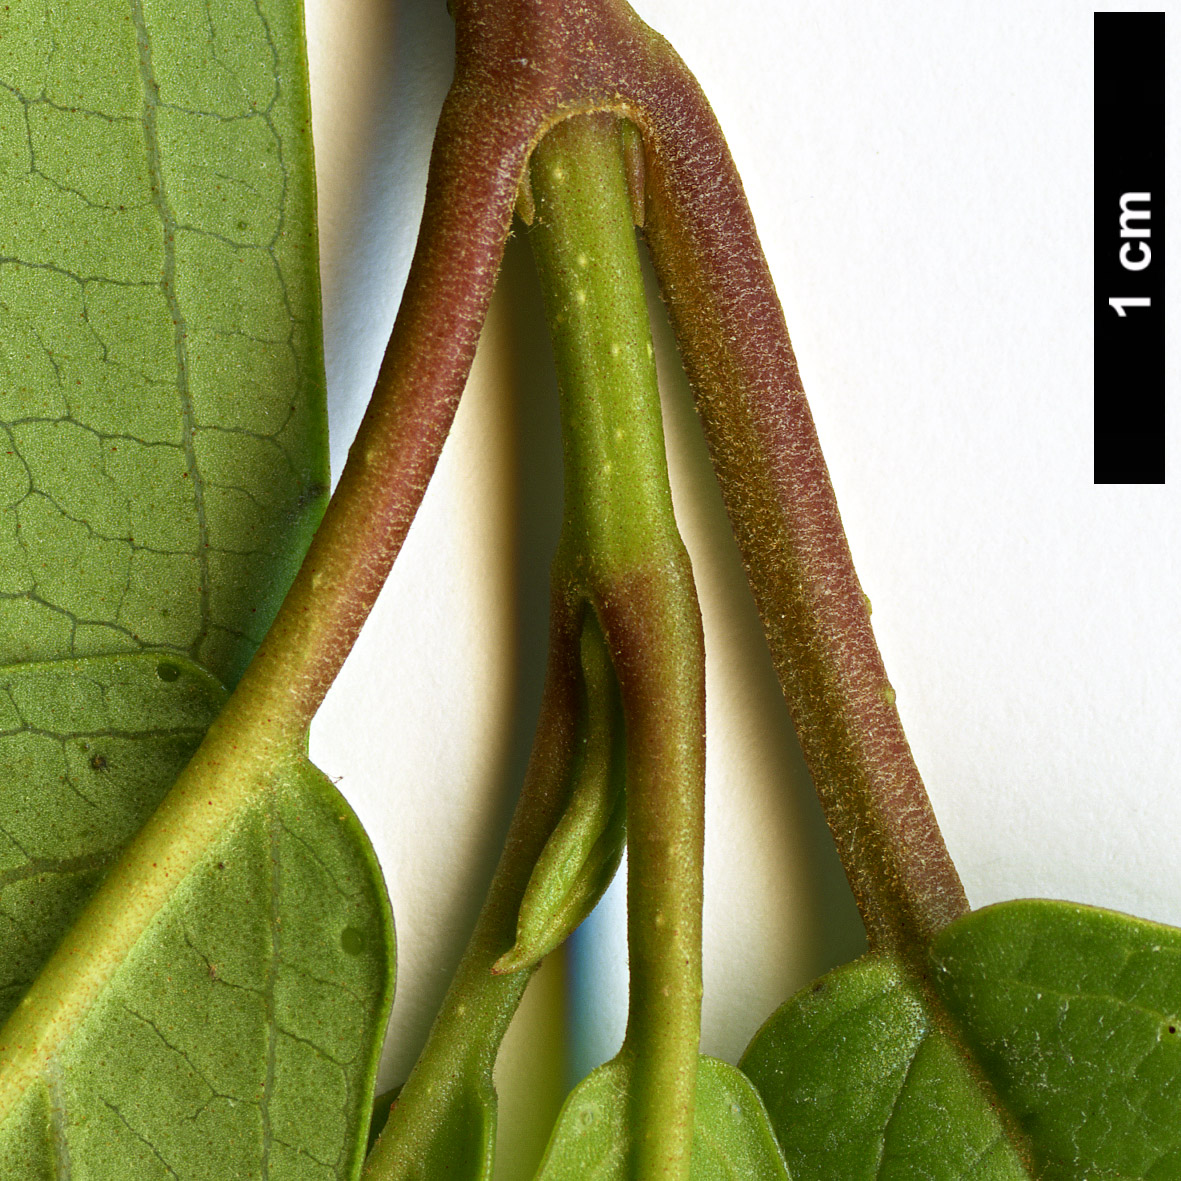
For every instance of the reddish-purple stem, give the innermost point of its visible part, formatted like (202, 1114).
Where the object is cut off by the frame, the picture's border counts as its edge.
(521, 67)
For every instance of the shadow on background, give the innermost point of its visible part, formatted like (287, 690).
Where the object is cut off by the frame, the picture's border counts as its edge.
(531, 1070)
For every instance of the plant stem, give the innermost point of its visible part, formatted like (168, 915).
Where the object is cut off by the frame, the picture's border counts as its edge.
(451, 1083)
(621, 551)
(621, 559)
(558, 57)
(739, 360)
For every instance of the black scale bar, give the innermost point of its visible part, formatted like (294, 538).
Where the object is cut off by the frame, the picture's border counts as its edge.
(1129, 248)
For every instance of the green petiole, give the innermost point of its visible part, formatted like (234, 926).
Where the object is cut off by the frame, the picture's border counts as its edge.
(621, 550)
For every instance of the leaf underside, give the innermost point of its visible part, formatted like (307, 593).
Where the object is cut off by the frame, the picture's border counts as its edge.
(87, 750)
(240, 1037)
(1070, 1013)
(731, 1134)
(162, 418)
(163, 465)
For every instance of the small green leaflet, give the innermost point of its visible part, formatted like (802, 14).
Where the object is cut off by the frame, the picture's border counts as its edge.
(731, 1134)
(240, 1037)
(162, 419)
(1070, 1013)
(446, 1124)
(584, 851)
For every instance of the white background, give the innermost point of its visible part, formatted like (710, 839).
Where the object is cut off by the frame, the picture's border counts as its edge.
(921, 176)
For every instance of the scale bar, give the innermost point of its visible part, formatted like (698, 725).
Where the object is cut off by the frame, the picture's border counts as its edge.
(1129, 248)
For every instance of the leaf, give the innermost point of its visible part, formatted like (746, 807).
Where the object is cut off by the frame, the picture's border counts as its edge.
(857, 1082)
(161, 410)
(218, 1009)
(583, 852)
(1065, 1014)
(732, 1137)
(87, 750)
(162, 437)
(240, 1035)
(1075, 1013)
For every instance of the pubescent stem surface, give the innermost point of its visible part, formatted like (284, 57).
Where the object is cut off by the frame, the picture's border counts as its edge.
(620, 553)
(620, 562)
(520, 66)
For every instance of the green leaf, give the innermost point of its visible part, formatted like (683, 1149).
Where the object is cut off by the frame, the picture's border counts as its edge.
(732, 1137)
(583, 852)
(87, 750)
(240, 1035)
(859, 1085)
(162, 468)
(162, 437)
(1062, 1017)
(218, 1009)
(1075, 1013)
